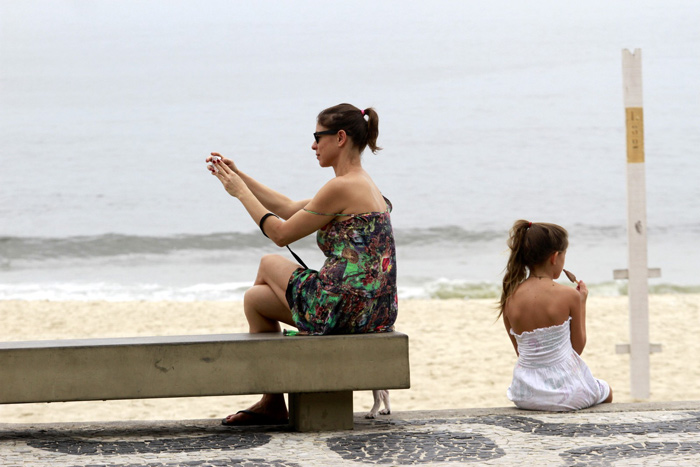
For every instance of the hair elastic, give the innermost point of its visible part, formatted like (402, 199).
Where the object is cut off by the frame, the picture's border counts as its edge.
(529, 224)
(363, 112)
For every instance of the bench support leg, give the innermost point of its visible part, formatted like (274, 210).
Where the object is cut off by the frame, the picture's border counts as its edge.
(321, 411)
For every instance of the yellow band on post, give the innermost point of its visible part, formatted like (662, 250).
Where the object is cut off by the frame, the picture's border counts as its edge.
(634, 119)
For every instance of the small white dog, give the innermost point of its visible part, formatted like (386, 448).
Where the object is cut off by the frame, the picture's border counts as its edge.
(380, 395)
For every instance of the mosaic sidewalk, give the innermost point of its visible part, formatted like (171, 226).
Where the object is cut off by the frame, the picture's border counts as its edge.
(612, 434)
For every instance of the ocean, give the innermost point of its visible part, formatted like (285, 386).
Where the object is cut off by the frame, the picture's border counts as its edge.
(489, 112)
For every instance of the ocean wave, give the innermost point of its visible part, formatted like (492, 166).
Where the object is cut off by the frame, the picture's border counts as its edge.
(113, 244)
(91, 291)
(445, 289)
(441, 289)
(33, 248)
(437, 263)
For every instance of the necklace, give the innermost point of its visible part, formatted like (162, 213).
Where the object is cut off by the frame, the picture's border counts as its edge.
(541, 277)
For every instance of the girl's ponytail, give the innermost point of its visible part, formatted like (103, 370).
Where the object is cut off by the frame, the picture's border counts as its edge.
(516, 268)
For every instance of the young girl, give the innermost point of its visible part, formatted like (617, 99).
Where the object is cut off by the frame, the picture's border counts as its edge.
(546, 322)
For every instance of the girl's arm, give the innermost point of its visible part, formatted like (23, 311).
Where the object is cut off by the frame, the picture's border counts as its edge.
(329, 199)
(272, 200)
(512, 338)
(577, 310)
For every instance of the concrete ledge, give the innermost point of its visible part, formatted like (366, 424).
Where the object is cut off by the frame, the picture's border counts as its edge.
(212, 365)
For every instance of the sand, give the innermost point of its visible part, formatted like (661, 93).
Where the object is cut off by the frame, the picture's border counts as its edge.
(460, 355)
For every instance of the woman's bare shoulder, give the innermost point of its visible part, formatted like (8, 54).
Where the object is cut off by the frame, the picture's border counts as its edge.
(340, 184)
(339, 187)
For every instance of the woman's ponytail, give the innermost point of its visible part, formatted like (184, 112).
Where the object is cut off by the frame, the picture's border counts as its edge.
(372, 129)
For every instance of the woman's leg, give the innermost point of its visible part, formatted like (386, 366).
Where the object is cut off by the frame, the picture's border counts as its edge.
(265, 303)
(265, 307)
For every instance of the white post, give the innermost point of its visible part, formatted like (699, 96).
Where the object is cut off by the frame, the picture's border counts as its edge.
(638, 271)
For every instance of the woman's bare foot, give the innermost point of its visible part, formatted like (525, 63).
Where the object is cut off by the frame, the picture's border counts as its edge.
(270, 410)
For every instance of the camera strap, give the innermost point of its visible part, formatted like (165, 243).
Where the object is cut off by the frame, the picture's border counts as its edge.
(262, 221)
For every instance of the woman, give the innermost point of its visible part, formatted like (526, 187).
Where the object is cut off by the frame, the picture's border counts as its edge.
(355, 290)
(546, 323)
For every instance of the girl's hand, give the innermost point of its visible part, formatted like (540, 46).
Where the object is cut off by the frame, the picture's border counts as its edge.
(233, 184)
(582, 290)
(228, 162)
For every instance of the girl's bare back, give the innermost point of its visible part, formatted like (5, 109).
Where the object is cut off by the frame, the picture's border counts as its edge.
(539, 303)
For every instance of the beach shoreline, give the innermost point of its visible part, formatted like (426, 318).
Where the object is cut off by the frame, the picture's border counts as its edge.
(460, 354)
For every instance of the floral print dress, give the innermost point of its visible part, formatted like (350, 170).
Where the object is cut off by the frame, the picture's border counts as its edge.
(355, 290)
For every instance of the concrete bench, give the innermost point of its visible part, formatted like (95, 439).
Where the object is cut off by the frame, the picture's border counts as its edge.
(319, 372)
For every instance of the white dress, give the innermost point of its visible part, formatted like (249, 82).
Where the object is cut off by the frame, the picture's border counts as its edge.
(550, 375)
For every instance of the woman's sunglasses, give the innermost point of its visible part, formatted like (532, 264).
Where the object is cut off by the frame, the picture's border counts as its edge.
(318, 134)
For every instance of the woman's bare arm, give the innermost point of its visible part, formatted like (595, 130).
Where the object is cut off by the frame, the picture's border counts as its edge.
(272, 200)
(329, 199)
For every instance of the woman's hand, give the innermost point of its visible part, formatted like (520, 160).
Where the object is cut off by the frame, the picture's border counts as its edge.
(225, 171)
(228, 162)
(582, 290)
